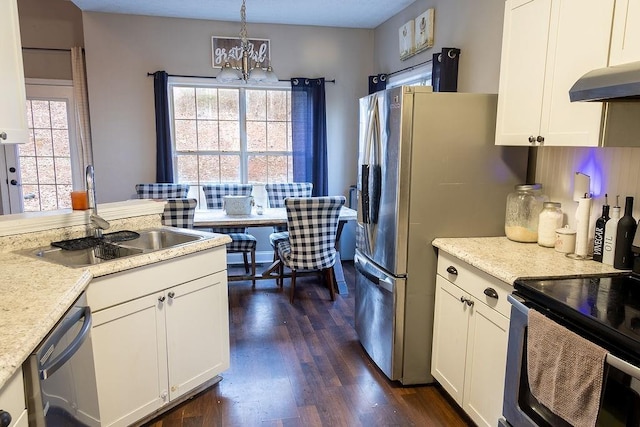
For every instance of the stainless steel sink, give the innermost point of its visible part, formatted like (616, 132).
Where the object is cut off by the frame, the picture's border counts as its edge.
(153, 240)
(149, 241)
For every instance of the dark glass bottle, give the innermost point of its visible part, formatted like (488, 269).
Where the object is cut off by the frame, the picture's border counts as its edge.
(598, 238)
(623, 257)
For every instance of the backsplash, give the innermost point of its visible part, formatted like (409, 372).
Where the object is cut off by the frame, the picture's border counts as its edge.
(614, 171)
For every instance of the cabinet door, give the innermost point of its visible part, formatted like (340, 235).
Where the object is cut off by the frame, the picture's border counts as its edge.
(13, 104)
(129, 346)
(522, 67)
(12, 400)
(486, 361)
(197, 314)
(578, 43)
(625, 37)
(451, 322)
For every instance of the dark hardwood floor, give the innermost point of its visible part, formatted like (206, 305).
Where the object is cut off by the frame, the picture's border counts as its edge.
(302, 365)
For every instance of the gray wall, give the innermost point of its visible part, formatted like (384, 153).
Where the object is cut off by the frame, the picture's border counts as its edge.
(122, 49)
(471, 25)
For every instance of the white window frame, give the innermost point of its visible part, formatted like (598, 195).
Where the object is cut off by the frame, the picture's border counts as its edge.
(420, 75)
(208, 82)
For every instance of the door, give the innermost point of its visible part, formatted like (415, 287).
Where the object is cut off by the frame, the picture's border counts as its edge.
(379, 316)
(380, 191)
(625, 37)
(450, 329)
(197, 333)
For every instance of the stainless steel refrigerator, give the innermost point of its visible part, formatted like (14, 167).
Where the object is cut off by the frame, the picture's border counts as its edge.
(427, 168)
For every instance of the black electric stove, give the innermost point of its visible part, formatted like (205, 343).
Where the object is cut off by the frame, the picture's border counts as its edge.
(606, 309)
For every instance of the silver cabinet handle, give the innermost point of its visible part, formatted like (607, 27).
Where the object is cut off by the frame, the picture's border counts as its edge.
(452, 270)
(3, 135)
(463, 300)
(540, 139)
(161, 299)
(532, 139)
(469, 303)
(171, 294)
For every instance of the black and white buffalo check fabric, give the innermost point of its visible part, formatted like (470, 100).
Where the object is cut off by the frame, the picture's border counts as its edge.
(214, 194)
(313, 223)
(179, 212)
(277, 192)
(162, 191)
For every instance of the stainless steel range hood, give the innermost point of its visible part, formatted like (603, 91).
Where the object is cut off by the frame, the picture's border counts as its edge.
(615, 83)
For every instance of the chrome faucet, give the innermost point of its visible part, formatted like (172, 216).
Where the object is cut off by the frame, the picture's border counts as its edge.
(97, 222)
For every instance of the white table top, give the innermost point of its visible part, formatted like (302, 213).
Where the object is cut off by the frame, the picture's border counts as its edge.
(270, 217)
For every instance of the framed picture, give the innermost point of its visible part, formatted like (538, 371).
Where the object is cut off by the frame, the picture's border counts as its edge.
(229, 49)
(406, 35)
(424, 31)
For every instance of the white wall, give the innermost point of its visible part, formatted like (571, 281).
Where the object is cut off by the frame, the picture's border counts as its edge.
(473, 26)
(122, 49)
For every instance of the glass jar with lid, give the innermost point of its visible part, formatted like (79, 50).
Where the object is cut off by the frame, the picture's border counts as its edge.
(523, 211)
(549, 221)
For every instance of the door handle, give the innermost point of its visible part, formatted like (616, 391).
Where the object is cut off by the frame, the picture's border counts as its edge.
(13, 182)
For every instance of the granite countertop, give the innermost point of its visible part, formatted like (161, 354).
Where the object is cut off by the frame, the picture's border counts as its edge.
(35, 294)
(508, 260)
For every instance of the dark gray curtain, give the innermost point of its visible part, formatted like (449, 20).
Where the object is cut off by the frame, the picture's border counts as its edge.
(376, 83)
(444, 74)
(309, 132)
(164, 161)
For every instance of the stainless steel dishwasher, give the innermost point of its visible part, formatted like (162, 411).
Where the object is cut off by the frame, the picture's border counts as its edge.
(60, 378)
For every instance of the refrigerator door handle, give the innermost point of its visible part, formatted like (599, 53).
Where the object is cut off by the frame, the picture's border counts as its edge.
(383, 283)
(364, 200)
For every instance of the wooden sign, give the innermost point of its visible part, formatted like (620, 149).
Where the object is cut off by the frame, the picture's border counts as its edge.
(229, 49)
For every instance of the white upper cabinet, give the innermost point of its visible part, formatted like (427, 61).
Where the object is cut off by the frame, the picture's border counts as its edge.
(13, 102)
(547, 45)
(625, 37)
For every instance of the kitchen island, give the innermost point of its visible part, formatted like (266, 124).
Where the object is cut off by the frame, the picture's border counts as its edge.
(36, 293)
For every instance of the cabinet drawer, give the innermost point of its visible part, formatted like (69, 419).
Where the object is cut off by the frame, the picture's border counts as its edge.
(475, 282)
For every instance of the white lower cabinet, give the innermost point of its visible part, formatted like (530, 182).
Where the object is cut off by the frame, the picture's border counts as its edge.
(149, 350)
(12, 400)
(470, 338)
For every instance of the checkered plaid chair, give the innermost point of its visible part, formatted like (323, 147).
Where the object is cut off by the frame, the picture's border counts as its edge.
(276, 193)
(179, 213)
(241, 241)
(313, 223)
(162, 191)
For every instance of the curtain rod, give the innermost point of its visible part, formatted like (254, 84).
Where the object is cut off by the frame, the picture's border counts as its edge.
(211, 77)
(410, 68)
(47, 48)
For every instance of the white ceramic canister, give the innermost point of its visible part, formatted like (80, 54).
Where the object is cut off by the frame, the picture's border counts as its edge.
(549, 221)
(565, 240)
(237, 205)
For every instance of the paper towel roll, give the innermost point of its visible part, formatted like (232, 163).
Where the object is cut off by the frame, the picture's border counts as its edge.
(583, 214)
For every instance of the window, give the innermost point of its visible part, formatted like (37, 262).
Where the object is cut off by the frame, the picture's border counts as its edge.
(415, 76)
(46, 160)
(230, 134)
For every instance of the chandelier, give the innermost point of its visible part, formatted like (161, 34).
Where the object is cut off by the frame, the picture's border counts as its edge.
(249, 71)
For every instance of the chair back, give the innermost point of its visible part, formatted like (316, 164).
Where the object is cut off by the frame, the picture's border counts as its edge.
(162, 191)
(277, 192)
(214, 195)
(313, 223)
(179, 212)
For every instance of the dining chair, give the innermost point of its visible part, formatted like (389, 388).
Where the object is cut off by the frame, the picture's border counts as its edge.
(276, 193)
(162, 191)
(179, 213)
(312, 224)
(241, 241)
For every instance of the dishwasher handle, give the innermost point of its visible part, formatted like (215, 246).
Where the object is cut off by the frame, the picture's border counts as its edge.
(51, 366)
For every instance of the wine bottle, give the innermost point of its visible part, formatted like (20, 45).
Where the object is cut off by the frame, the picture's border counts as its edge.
(610, 232)
(623, 257)
(598, 238)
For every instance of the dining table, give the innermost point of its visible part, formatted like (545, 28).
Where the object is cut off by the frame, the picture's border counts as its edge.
(270, 217)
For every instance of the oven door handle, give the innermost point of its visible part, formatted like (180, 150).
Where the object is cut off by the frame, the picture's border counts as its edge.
(625, 367)
(517, 304)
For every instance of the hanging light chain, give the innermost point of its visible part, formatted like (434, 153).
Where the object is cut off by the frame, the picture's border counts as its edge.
(243, 25)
